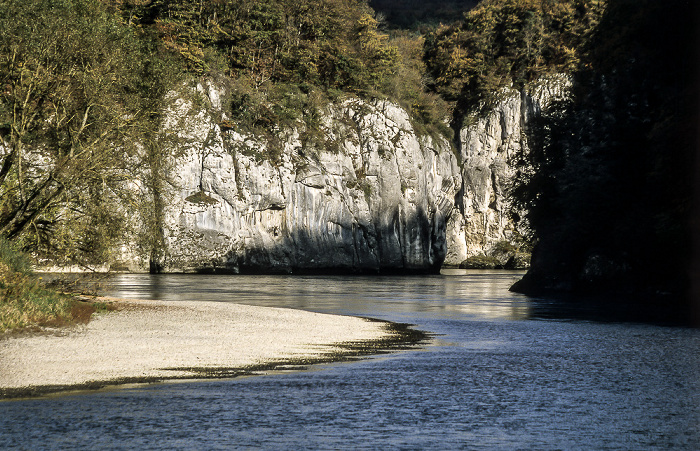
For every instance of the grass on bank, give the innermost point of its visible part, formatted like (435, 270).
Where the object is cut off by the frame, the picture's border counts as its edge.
(26, 303)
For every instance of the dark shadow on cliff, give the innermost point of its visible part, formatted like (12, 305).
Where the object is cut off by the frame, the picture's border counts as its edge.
(400, 244)
(610, 196)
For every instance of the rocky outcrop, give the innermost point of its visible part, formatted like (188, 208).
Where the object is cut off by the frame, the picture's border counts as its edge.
(488, 144)
(377, 201)
(368, 194)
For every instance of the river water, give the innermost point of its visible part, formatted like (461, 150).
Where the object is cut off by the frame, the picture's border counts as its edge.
(503, 371)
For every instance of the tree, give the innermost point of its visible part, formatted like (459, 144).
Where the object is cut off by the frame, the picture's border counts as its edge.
(329, 43)
(73, 103)
(502, 42)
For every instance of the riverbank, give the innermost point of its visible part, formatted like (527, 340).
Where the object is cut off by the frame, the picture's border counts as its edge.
(151, 341)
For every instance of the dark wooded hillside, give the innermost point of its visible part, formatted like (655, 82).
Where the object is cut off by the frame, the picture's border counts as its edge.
(421, 14)
(610, 193)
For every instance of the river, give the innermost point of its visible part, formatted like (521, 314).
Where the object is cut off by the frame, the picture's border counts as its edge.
(502, 371)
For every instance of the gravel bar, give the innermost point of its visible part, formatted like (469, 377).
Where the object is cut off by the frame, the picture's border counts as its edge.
(149, 341)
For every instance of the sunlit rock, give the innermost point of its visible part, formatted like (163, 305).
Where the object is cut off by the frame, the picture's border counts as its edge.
(379, 202)
(380, 198)
(489, 145)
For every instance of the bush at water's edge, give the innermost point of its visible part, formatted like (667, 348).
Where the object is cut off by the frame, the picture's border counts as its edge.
(25, 302)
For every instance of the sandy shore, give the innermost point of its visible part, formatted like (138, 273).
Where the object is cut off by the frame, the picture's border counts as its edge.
(147, 341)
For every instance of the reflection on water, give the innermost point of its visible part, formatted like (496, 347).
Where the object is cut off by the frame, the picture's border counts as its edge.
(493, 378)
(453, 294)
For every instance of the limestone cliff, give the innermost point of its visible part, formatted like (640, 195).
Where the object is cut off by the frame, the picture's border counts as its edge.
(368, 195)
(377, 201)
(488, 144)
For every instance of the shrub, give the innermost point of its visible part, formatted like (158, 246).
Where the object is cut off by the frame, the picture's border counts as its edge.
(23, 301)
(480, 262)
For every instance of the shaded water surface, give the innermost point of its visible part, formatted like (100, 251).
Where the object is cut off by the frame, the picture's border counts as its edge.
(496, 375)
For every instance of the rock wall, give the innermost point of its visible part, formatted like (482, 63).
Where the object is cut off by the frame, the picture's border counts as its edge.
(487, 145)
(378, 201)
(369, 195)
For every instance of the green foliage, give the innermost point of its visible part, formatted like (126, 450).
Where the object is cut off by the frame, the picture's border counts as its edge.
(13, 259)
(505, 254)
(200, 197)
(504, 42)
(504, 247)
(279, 106)
(429, 111)
(23, 301)
(330, 43)
(267, 113)
(481, 262)
(80, 90)
(287, 57)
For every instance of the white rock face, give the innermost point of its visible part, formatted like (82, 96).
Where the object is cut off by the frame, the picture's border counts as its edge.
(488, 146)
(380, 198)
(380, 202)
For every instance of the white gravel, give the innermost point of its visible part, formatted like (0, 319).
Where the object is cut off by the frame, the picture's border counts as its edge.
(155, 339)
